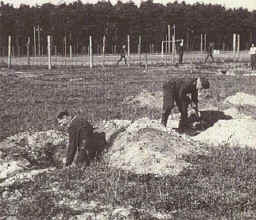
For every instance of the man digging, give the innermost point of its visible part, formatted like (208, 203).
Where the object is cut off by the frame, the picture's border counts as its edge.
(82, 139)
(178, 91)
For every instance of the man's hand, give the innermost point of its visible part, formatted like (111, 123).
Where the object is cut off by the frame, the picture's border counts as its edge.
(195, 107)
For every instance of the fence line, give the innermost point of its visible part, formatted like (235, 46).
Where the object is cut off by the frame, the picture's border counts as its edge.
(53, 58)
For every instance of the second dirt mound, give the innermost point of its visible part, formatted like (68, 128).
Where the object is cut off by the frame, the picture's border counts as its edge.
(145, 146)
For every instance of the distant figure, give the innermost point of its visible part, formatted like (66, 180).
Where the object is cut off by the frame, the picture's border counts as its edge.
(177, 90)
(82, 140)
(122, 55)
(210, 49)
(181, 51)
(252, 52)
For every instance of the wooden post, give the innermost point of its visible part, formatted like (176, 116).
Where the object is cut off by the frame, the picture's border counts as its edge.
(49, 51)
(162, 49)
(9, 50)
(34, 41)
(70, 51)
(166, 50)
(169, 39)
(55, 50)
(174, 38)
(205, 42)
(173, 48)
(28, 47)
(128, 50)
(201, 44)
(234, 43)
(139, 49)
(238, 43)
(56, 53)
(39, 43)
(187, 39)
(90, 51)
(146, 61)
(103, 49)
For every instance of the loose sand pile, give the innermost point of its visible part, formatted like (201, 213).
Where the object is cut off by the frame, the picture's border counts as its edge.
(24, 150)
(38, 139)
(234, 132)
(235, 113)
(241, 99)
(145, 146)
(239, 130)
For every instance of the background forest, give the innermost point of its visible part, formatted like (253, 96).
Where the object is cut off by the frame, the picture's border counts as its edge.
(73, 23)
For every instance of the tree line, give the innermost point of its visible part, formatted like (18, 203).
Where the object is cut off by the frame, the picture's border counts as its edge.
(73, 23)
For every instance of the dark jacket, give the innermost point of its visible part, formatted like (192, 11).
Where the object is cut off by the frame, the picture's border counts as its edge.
(181, 87)
(80, 131)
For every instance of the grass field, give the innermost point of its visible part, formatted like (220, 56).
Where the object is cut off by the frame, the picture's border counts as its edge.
(220, 185)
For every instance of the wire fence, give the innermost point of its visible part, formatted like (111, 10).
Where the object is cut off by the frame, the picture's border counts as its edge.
(144, 59)
(94, 54)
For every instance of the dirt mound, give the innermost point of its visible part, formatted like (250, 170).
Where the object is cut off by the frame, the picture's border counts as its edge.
(235, 113)
(148, 99)
(112, 128)
(146, 146)
(27, 150)
(241, 99)
(37, 139)
(234, 132)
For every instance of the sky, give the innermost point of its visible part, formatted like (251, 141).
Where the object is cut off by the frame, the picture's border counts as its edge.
(249, 4)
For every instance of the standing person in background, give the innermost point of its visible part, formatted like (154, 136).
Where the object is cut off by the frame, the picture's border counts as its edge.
(252, 53)
(122, 55)
(210, 49)
(181, 51)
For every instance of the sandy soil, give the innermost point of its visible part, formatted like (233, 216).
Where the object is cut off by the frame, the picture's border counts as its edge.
(144, 145)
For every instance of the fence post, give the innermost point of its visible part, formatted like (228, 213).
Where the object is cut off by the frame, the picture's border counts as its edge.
(9, 50)
(28, 47)
(146, 61)
(169, 39)
(39, 40)
(103, 49)
(201, 44)
(205, 41)
(139, 49)
(49, 51)
(234, 43)
(34, 41)
(70, 51)
(55, 51)
(128, 50)
(162, 49)
(90, 51)
(173, 48)
(238, 43)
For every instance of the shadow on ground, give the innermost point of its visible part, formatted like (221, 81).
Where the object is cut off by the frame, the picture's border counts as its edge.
(208, 119)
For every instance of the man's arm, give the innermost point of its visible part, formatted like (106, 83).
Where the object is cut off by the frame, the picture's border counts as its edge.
(194, 99)
(72, 148)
